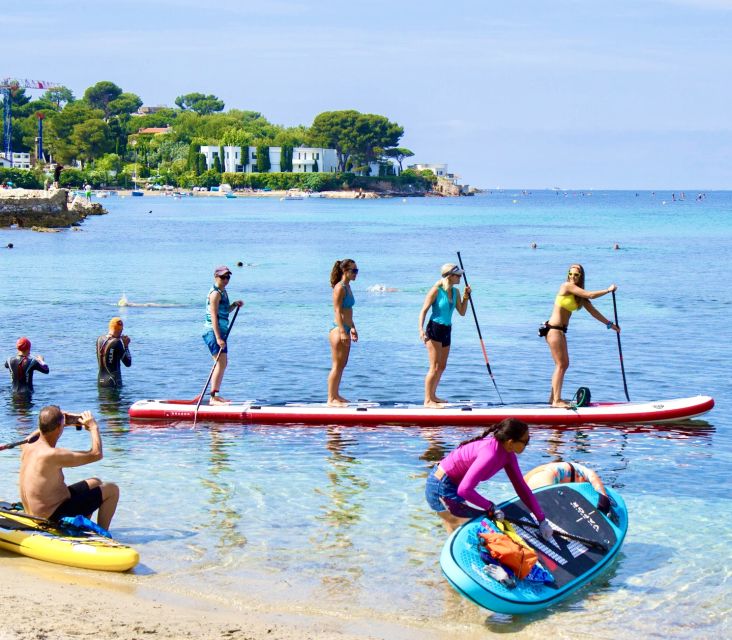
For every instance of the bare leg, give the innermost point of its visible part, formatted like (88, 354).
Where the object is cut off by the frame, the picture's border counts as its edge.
(339, 352)
(217, 378)
(450, 521)
(557, 342)
(110, 498)
(438, 360)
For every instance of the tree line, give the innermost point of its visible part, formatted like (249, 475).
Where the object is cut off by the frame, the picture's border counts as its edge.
(100, 133)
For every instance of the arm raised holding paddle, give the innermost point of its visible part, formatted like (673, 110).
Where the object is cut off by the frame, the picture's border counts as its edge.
(218, 308)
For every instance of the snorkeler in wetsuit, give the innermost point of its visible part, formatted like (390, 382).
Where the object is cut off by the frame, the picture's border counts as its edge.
(22, 366)
(112, 349)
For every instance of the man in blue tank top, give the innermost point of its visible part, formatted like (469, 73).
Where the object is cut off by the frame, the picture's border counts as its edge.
(216, 331)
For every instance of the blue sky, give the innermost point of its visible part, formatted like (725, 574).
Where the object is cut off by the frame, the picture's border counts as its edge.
(571, 94)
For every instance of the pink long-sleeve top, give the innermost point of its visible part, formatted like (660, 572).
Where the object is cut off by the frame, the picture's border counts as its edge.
(472, 463)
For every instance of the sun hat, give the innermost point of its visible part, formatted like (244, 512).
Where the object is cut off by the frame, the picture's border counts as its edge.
(222, 270)
(451, 269)
(23, 344)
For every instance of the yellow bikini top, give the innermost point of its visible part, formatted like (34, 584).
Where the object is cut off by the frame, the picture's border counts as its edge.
(567, 301)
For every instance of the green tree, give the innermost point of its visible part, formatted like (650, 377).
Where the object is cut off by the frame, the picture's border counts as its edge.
(59, 95)
(91, 139)
(201, 166)
(126, 103)
(286, 158)
(217, 164)
(263, 163)
(100, 95)
(399, 154)
(200, 103)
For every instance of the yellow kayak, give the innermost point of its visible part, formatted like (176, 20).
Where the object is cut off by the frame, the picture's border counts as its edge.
(44, 540)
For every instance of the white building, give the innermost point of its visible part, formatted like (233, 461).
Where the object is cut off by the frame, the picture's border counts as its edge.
(20, 161)
(440, 170)
(304, 159)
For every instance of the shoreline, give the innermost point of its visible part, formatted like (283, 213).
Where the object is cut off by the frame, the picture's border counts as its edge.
(336, 195)
(46, 600)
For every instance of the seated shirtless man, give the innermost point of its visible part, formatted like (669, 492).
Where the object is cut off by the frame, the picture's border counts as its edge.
(43, 490)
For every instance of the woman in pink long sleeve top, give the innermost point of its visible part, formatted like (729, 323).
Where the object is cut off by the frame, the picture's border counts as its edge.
(454, 480)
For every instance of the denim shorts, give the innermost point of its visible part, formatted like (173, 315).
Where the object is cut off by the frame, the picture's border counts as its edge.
(436, 489)
(210, 339)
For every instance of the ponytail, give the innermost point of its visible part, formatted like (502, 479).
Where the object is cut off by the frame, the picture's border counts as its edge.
(339, 267)
(507, 429)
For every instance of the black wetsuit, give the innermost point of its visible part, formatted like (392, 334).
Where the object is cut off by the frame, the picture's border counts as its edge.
(110, 352)
(21, 372)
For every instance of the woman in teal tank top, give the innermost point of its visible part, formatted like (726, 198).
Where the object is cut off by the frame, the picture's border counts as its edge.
(442, 299)
(343, 331)
(572, 296)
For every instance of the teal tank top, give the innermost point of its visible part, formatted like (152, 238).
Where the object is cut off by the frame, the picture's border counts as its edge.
(442, 308)
(223, 313)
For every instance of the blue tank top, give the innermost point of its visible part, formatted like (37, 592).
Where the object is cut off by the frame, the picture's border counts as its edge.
(349, 300)
(223, 313)
(442, 308)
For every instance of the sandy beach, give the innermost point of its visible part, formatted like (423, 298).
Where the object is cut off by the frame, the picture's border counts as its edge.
(338, 195)
(42, 600)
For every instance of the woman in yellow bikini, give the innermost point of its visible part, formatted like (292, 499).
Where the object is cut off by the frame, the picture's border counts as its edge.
(572, 296)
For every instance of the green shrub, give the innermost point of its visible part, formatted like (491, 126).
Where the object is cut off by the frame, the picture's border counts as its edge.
(21, 178)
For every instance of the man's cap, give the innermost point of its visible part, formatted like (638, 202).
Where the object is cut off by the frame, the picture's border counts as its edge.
(23, 344)
(222, 270)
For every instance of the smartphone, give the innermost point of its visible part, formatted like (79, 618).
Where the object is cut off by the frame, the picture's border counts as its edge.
(73, 419)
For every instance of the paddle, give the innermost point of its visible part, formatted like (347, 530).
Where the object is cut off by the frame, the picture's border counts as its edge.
(620, 349)
(564, 534)
(216, 361)
(477, 326)
(12, 445)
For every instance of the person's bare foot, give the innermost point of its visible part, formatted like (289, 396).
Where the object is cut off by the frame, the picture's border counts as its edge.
(218, 400)
(561, 404)
(440, 400)
(342, 399)
(337, 403)
(431, 404)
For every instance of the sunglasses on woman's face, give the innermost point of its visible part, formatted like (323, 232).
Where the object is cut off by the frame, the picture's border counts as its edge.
(574, 275)
(353, 270)
(226, 276)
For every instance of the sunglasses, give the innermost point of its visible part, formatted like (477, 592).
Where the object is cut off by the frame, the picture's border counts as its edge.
(226, 276)
(353, 270)
(574, 275)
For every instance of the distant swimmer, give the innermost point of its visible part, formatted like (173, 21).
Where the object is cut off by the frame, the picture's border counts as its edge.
(10, 245)
(112, 349)
(380, 288)
(616, 246)
(22, 365)
(559, 472)
(124, 302)
(443, 299)
(533, 245)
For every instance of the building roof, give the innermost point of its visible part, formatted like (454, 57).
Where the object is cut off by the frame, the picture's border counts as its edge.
(155, 130)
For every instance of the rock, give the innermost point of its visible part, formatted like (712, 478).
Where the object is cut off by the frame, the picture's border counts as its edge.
(43, 209)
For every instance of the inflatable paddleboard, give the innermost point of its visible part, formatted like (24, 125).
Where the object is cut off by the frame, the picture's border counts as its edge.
(570, 508)
(44, 540)
(467, 414)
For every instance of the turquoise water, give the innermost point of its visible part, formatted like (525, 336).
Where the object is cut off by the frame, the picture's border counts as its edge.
(332, 520)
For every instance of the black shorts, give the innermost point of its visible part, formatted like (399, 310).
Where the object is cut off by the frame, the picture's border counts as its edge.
(83, 501)
(439, 333)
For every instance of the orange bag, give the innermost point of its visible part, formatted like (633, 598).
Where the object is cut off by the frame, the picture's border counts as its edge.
(516, 557)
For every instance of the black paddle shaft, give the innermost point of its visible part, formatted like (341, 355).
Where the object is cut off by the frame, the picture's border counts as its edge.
(477, 326)
(620, 348)
(12, 445)
(564, 534)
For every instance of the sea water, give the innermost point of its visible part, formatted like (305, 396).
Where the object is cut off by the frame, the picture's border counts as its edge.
(332, 520)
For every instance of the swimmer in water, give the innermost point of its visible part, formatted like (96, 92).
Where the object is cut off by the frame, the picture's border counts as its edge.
(113, 349)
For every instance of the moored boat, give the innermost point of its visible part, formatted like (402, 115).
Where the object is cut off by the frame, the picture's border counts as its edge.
(458, 414)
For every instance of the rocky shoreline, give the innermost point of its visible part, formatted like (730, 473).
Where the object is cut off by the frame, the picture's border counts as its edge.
(29, 208)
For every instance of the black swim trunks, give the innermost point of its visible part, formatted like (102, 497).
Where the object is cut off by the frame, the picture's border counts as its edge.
(83, 501)
(439, 333)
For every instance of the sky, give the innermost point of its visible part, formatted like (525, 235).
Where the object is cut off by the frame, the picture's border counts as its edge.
(572, 94)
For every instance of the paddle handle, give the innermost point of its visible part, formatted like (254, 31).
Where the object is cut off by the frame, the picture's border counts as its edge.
(12, 445)
(620, 348)
(564, 534)
(477, 326)
(216, 361)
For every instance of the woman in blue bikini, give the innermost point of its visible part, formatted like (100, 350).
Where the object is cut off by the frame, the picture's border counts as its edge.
(343, 330)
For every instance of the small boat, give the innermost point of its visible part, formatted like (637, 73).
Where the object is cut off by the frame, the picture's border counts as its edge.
(50, 541)
(465, 413)
(586, 541)
(229, 194)
(138, 192)
(294, 194)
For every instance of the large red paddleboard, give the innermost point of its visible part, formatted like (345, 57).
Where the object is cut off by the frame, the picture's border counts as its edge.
(458, 414)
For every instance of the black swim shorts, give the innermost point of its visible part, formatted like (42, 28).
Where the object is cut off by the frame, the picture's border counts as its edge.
(439, 333)
(83, 501)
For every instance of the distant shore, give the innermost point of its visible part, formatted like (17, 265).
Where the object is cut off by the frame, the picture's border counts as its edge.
(347, 195)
